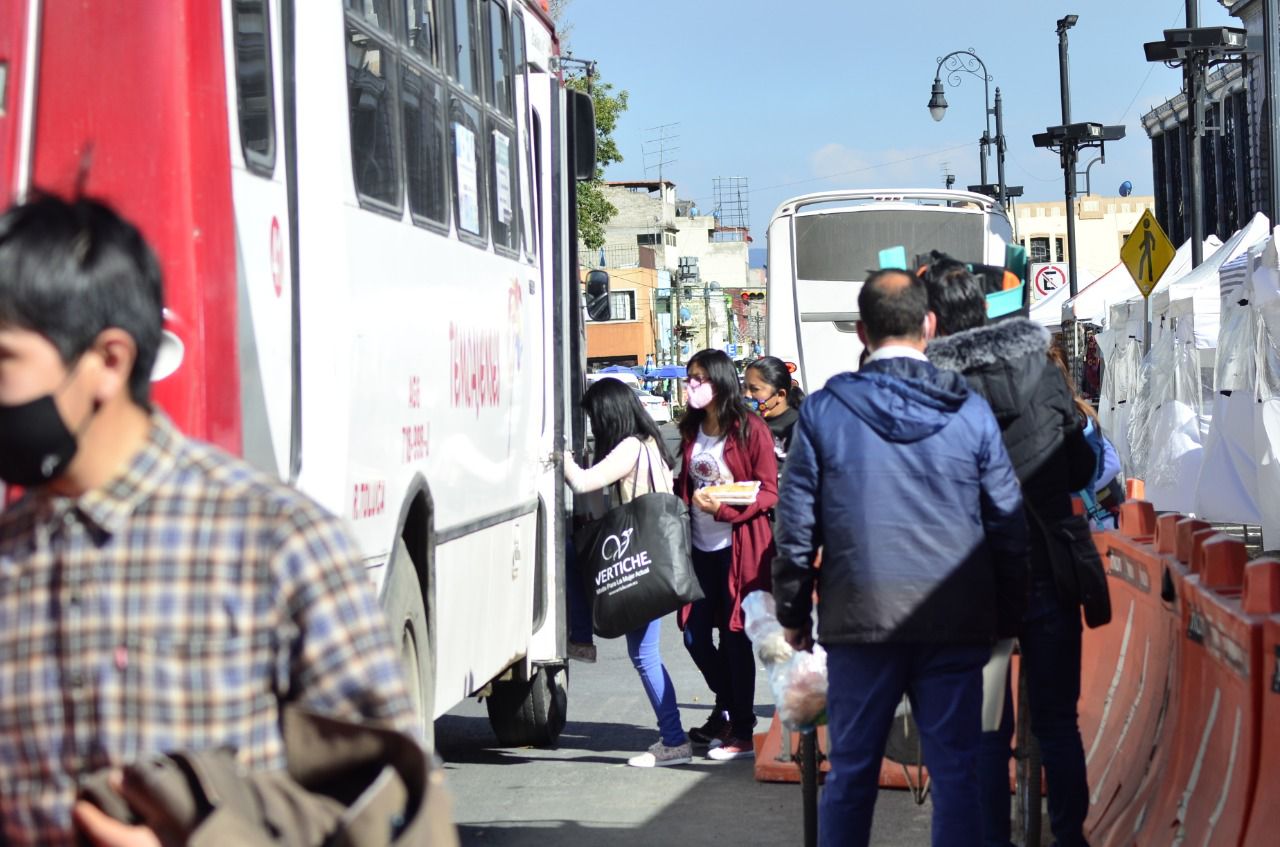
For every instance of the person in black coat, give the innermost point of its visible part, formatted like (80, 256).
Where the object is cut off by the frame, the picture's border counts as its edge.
(1007, 363)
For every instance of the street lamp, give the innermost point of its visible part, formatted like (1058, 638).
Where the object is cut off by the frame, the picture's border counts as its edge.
(1067, 140)
(967, 61)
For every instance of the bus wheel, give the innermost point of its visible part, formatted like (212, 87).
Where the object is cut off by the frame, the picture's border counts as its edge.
(412, 638)
(530, 713)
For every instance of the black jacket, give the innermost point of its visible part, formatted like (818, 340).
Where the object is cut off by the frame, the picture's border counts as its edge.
(1008, 364)
(898, 473)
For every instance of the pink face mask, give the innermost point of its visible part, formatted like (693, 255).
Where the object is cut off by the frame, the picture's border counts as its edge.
(700, 394)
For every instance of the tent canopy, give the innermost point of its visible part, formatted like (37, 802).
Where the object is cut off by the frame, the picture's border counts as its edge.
(1091, 303)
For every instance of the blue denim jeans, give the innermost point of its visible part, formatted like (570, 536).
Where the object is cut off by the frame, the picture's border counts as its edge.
(865, 684)
(729, 667)
(1050, 647)
(643, 648)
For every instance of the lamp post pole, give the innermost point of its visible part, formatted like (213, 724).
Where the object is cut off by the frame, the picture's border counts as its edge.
(1069, 154)
(967, 61)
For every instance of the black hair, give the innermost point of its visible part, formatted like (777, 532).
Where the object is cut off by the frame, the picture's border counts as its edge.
(955, 294)
(70, 270)
(774, 372)
(731, 411)
(617, 415)
(897, 312)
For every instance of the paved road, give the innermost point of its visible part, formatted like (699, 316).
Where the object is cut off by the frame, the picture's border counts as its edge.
(582, 794)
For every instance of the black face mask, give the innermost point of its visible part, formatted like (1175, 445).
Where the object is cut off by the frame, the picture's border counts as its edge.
(35, 444)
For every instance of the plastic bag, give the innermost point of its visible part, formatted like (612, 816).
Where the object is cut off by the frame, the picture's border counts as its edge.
(798, 679)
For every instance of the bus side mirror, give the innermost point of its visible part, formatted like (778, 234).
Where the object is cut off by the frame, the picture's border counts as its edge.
(582, 135)
(598, 296)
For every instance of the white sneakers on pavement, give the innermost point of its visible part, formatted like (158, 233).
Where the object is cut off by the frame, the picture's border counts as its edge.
(730, 749)
(661, 756)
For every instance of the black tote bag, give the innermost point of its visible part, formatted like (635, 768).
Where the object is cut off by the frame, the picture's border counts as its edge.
(636, 562)
(1078, 572)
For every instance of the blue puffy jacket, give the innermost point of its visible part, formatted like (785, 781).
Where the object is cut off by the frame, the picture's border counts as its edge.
(899, 474)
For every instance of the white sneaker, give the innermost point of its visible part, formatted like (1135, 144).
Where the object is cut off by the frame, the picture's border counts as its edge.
(732, 748)
(661, 756)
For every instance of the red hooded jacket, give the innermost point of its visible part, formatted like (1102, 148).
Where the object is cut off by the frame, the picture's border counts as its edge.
(750, 567)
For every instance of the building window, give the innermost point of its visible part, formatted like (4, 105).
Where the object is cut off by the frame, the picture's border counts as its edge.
(254, 91)
(370, 71)
(647, 239)
(1057, 245)
(622, 305)
(1039, 249)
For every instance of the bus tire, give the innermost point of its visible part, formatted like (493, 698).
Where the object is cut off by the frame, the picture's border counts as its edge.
(530, 713)
(411, 635)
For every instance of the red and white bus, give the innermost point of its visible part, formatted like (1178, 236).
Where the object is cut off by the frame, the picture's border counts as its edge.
(362, 210)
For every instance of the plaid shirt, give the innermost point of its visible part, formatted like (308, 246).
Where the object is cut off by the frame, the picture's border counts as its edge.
(178, 608)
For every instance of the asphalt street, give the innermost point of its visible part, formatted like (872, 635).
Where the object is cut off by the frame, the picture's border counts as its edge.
(582, 794)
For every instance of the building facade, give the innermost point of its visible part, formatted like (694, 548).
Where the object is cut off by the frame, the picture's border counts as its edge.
(1102, 225)
(699, 270)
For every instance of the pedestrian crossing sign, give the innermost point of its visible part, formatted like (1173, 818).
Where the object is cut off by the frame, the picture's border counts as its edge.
(1147, 253)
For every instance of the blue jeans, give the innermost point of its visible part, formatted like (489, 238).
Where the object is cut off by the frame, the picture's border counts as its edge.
(728, 667)
(1050, 646)
(866, 683)
(643, 648)
(578, 607)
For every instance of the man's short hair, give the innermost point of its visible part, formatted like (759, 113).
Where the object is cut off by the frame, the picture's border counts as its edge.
(955, 294)
(70, 270)
(892, 311)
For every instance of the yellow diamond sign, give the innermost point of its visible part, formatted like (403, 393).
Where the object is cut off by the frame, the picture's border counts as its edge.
(1147, 253)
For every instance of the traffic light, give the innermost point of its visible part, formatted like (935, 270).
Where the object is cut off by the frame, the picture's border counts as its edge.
(748, 296)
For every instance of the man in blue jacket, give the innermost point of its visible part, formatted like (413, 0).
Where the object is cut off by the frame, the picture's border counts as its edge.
(898, 474)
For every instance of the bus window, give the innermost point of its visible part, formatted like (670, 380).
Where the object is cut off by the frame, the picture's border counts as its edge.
(468, 149)
(420, 21)
(465, 65)
(373, 12)
(254, 90)
(374, 162)
(423, 120)
(498, 82)
(504, 186)
(535, 173)
(845, 245)
(525, 118)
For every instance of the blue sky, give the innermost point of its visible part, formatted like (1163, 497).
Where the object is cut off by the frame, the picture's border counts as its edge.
(811, 95)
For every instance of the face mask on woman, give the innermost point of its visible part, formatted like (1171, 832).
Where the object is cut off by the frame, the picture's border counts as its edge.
(701, 394)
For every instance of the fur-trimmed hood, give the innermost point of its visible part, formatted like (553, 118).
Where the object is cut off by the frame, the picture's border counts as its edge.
(987, 345)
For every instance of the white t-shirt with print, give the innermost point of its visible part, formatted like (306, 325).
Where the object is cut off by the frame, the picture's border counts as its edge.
(707, 467)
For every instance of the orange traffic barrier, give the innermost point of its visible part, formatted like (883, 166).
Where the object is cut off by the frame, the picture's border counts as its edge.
(1127, 674)
(1135, 489)
(1262, 597)
(1205, 793)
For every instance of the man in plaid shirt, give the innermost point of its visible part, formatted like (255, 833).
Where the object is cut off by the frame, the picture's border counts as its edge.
(156, 594)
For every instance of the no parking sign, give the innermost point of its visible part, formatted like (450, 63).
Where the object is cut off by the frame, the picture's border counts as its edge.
(1046, 279)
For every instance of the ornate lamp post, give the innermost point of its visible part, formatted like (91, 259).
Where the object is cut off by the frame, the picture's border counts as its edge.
(960, 62)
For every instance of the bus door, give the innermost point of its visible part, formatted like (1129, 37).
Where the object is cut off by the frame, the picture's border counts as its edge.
(254, 42)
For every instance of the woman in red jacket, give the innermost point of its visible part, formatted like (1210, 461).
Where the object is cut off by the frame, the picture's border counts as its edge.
(732, 545)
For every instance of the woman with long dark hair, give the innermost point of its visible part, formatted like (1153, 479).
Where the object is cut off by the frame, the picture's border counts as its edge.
(629, 452)
(768, 386)
(723, 442)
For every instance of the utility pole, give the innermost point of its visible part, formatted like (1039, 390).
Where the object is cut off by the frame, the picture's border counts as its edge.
(1271, 66)
(1192, 71)
(1069, 152)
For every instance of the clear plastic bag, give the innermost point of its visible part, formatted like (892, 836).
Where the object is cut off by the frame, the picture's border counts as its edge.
(797, 678)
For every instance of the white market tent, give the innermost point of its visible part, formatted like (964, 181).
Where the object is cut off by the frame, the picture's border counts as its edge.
(1092, 302)
(1048, 310)
(1227, 490)
(1170, 418)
